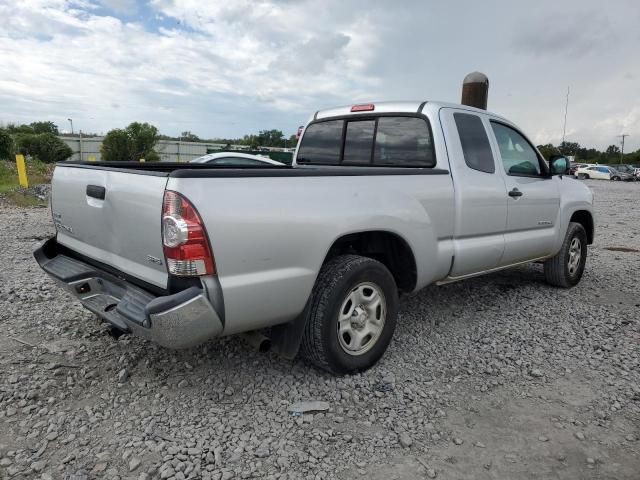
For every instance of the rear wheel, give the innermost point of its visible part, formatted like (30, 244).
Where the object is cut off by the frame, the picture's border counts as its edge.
(566, 268)
(351, 316)
(615, 179)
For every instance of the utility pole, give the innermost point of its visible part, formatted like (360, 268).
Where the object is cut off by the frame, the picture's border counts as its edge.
(622, 149)
(71, 122)
(566, 108)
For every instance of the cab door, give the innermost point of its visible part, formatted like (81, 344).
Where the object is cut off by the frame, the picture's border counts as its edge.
(533, 197)
(480, 199)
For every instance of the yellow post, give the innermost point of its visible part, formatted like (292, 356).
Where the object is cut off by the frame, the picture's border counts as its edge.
(22, 171)
(142, 160)
(91, 158)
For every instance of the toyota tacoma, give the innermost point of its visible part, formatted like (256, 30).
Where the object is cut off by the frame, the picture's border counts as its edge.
(381, 199)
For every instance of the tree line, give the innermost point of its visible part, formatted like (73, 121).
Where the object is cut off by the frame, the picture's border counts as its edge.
(138, 140)
(135, 141)
(611, 155)
(37, 140)
(264, 138)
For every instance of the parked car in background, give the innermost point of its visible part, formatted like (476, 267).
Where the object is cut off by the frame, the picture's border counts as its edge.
(574, 167)
(625, 174)
(628, 169)
(601, 172)
(236, 159)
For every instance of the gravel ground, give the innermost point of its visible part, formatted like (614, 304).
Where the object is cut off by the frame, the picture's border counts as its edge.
(516, 380)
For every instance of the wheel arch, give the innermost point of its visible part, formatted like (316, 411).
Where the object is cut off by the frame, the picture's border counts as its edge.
(389, 248)
(585, 218)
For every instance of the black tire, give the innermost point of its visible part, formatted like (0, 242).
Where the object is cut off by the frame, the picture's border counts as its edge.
(615, 179)
(337, 280)
(583, 176)
(557, 270)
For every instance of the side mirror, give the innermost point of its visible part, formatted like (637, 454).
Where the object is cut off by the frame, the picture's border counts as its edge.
(558, 164)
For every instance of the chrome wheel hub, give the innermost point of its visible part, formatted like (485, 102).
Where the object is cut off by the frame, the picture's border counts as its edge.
(575, 256)
(361, 318)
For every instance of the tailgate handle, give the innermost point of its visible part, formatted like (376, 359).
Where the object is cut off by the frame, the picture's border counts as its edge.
(96, 191)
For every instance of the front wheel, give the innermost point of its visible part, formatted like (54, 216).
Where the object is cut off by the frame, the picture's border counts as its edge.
(566, 268)
(351, 316)
(615, 179)
(583, 176)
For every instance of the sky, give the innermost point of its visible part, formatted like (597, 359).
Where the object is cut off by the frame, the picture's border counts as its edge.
(229, 68)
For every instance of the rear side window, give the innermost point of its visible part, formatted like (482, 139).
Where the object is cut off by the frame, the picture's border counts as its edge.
(475, 143)
(322, 143)
(401, 141)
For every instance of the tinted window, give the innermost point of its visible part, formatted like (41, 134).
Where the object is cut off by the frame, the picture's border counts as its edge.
(358, 142)
(475, 143)
(321, 143)
(403, 141)
(518, 156)
(399, 141)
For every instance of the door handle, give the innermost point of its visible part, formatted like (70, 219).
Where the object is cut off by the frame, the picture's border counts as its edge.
(96, 191)
(515, 193)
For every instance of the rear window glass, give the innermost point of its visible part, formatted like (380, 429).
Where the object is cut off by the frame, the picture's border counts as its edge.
(358, 142)
(378, 141)
(475, 143)
(403, 141)
(321, 143)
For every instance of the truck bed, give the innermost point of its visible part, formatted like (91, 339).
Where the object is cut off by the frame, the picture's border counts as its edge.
(269, 233)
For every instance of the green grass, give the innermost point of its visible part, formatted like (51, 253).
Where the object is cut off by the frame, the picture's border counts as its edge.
(19, 199)
(37, 173)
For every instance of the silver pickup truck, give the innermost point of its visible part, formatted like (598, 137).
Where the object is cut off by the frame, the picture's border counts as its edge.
(381, 199)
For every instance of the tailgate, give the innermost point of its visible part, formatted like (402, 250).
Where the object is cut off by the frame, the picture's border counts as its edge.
(113, 217)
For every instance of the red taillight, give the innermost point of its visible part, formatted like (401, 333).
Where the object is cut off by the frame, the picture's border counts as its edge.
(185, 242)
(367, 107)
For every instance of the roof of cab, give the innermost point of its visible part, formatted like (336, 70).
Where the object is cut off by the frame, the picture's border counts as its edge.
(394, 107)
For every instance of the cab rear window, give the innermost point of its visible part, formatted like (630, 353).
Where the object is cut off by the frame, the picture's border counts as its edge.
(393, 141)
(322, 143)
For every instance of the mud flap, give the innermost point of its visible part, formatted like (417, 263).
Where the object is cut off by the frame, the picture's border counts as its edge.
(286, 338)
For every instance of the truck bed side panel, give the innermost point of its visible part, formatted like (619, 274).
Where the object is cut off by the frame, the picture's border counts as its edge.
(270, 236)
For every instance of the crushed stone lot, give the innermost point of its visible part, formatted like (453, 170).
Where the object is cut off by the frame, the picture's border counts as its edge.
(512, 380)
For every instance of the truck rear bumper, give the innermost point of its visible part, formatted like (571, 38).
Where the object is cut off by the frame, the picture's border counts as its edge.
(181, 320)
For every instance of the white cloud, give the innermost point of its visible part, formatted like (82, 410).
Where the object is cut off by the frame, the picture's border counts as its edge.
(126, 7)
(228, 68)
